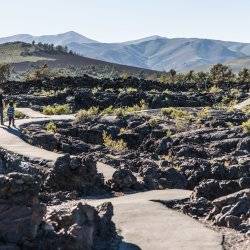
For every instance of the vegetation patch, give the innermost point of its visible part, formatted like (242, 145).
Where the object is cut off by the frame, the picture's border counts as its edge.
(203, 114)
(51, 127)
(57, 109)
(176, 113)
(87, 113)
(246, 126)
(118, 145)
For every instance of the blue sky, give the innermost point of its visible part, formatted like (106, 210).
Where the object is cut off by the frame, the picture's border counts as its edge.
(121, 20)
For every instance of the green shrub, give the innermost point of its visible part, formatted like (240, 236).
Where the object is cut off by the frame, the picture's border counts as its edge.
(51, 127)
(86, 113)
(175, 113)
(203, 113)
(153, 122)
(169, 133)
(118, 145)
(246, 110)
(57, 109)
(19, 115)
(214, 89)
(246, 126)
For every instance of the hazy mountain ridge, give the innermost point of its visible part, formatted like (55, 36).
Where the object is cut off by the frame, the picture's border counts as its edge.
(155, 52)
(59, 39)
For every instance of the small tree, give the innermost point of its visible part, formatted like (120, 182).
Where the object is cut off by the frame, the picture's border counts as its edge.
(4, 72)
(190, 76)
(244, 75)
(202, 77)
(172, 73)
(221, 73)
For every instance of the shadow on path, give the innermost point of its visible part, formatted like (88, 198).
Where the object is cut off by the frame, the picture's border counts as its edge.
(12, 130)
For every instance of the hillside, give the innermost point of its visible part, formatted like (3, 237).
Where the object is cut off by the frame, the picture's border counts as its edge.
(24, 56)
(238, 64)
(155, 52)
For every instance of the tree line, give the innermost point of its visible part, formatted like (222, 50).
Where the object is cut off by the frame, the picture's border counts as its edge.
(50, 47)
(217, 74)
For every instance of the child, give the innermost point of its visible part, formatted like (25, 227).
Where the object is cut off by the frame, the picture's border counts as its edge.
(11, 114)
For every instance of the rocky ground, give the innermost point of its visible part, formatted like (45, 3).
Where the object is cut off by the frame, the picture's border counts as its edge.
(194, 141)
(27, 188)
(85, 92)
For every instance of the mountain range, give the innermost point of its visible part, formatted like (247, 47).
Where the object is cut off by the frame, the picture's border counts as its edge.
(155, 52)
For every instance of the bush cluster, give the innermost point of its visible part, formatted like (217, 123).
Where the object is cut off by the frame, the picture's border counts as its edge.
(57, 109)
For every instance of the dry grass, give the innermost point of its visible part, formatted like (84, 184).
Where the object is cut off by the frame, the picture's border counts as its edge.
(57, 109)
(246, 126)
(118, 145)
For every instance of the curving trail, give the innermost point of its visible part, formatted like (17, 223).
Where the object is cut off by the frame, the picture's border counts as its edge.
(143, 223)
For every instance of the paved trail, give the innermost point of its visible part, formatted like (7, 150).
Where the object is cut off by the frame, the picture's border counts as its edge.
(143, 223)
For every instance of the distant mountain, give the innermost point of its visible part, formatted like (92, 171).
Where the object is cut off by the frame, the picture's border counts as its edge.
(155, 52)
(60, 39)
(160, 53)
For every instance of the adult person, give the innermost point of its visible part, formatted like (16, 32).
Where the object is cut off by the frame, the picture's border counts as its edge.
(1, 106)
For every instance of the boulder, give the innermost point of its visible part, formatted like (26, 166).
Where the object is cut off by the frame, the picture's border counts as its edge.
(74, 174)
(173, 179)
(123, 180)
(80, 227)
(21, 213)
(164, 145)
(45, 140)
(232, 210)
(212, 189)
(132, 139)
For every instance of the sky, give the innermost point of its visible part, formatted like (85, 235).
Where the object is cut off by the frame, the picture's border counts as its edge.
(124, 20)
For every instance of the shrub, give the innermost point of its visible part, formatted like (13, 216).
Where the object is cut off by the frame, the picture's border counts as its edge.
(19, 115)
(113, 111)
(203, 113)
(51, 127)
(113, 144)
(246, 126)
(153, 122)
(175, 113)
(214, 90)
(246, 110)
(57, 109)
(169, 133)
(86, 113)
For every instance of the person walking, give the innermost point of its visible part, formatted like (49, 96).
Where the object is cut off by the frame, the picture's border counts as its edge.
(11, 114)
(1, 106)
